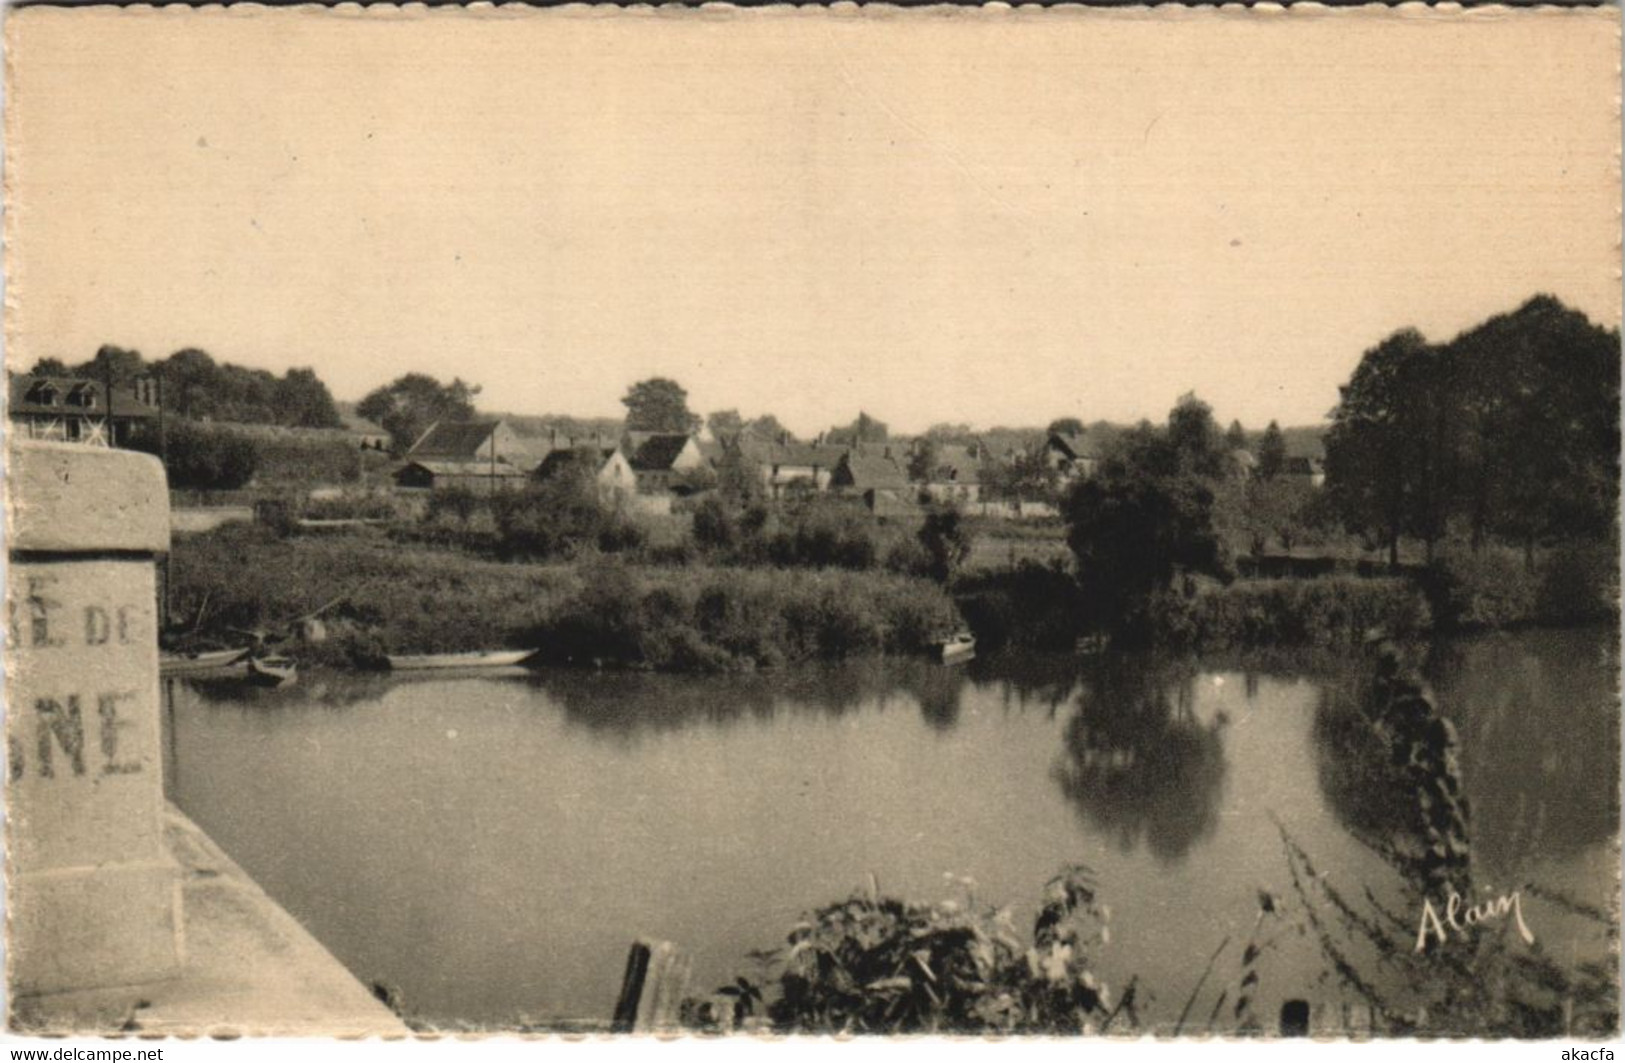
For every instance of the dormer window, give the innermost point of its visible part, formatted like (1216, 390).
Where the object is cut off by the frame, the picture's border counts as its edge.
(83, 396)
(43, 393)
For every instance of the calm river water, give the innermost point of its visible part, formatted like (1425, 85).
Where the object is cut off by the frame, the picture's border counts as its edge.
(489, 846)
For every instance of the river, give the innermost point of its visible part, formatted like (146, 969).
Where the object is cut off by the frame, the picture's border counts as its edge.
(490, 846)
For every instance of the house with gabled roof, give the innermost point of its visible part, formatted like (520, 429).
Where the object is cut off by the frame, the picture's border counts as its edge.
(785, 466)
(484, 456)
(954, 473)
(71, 410)
(1071, 456)
(662, 460)
(874, 476)
(607, 465)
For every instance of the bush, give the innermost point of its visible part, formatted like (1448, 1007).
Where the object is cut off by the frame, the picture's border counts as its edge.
(202, 458)
(559, 518)
(1494, 588)
(1490, 588)
(729, 619)
(824, 533)
(351, 507)
(1030, 605)
(945, 541)
(1336, 611)
(875, 964)
(714, 525)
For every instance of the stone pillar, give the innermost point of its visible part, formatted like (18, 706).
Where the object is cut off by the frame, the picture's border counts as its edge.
(93, 898)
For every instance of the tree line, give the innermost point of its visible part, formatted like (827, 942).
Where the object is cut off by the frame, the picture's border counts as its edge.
(1508, 431)
(197, 387)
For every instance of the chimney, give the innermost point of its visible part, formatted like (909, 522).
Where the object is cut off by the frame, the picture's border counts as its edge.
(887, 451)
(553, 437)
(784, 439)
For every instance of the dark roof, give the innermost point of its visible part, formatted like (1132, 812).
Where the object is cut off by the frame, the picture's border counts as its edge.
(867, 471)
(558, 459)
(26, 395)
(453, 439)
(655, 451)
(1070, 445)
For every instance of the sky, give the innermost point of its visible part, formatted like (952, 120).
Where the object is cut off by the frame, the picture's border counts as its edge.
(993, 218)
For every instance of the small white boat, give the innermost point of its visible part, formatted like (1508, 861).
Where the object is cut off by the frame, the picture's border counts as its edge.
(476, 659)
(199, 660)
(959, 647)
(272, 671)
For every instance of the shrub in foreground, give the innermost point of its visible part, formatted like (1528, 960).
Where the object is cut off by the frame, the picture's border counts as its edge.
(875, 964)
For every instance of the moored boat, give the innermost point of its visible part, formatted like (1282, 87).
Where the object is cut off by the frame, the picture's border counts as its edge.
(272, 670)
(474, 659)
(957, 647)
(199, 660)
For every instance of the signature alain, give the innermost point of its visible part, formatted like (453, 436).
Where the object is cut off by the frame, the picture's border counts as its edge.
(1461, 917)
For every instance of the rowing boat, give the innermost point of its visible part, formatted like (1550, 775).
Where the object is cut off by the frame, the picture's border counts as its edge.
(475, 659)
(199, 660)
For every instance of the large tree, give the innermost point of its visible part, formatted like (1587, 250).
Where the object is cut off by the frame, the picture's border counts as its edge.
(191, 383)
(1536, 398)
(408, 405)
(301, 399)
(1195, 438)
(724, 424)
(119, 363)
(1066, 426)
(1023, 475)
(659, 405)
(51, 367)
(1271, 453)
(1147, 516)
(1386, 467)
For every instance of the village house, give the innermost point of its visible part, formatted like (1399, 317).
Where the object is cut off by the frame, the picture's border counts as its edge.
(785, 466)
(70, 410)
(954, 473)
(610, 470)
(663, 462)
(483, 456)
(877, 478)
(1070, 456)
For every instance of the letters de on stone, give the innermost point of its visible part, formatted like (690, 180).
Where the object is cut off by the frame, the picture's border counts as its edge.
(39, 623)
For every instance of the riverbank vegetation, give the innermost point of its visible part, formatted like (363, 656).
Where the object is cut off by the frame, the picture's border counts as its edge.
(378, 597)
(1482, 468)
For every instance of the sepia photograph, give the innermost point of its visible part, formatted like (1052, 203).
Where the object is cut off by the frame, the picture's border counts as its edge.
(842, 521)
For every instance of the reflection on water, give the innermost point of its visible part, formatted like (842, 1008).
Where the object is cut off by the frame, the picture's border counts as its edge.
(1138, 763)
(490, 846)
